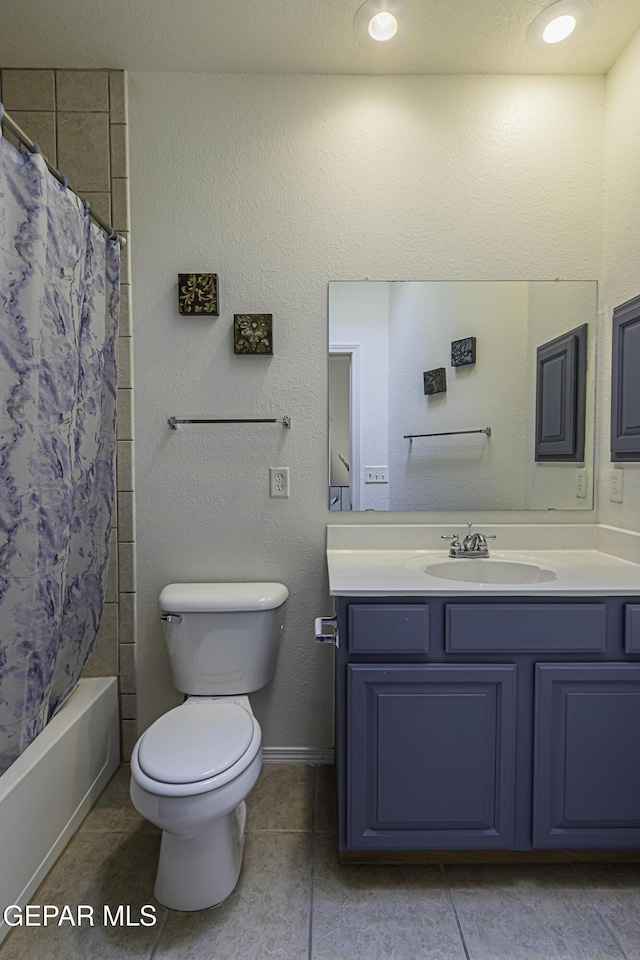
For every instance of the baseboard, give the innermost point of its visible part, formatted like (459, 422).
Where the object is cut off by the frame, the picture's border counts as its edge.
(310, 755)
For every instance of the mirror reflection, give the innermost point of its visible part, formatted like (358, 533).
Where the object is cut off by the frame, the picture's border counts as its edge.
(434, 387)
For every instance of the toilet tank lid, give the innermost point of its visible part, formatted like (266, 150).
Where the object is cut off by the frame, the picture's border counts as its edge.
(209, 597)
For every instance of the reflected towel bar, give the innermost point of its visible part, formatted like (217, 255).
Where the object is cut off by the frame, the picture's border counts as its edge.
(174, 421)
(449, 433)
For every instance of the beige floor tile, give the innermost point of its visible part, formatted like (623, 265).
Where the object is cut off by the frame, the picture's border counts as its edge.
(325, 815)
(614, 891)
(114, 811)
(282, 799)
(528, 913)
(95, 870)
(265, 918)
(380, 912)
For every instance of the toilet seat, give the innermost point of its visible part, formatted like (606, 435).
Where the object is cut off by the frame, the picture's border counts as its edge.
(195, 748)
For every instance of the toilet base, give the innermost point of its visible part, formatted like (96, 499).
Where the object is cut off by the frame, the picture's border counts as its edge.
(201, 871)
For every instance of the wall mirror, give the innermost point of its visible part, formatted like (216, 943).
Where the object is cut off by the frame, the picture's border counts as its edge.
(432, 394)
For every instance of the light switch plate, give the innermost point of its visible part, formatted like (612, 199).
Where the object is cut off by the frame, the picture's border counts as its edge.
(376, 474)
(582, 482)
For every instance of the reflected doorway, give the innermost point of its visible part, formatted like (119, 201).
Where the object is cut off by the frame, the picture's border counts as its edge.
(343, 427)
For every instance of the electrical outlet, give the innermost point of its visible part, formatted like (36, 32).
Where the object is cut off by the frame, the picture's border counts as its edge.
(278, 481)
(376, 474)
(582, 482)
(615, 486)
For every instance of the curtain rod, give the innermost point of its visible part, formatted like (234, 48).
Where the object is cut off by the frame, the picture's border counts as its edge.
(33, 147)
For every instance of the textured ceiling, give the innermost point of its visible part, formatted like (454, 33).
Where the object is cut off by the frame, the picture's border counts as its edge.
(299, 36)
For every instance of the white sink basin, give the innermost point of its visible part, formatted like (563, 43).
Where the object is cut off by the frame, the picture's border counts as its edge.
(483, 571)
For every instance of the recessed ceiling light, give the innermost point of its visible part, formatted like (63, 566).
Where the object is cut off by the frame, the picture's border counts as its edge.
(559, 29)
(383, 24)
(559, 23)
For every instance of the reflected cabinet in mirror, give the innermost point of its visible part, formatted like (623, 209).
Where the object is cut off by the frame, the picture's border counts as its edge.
(440, 392)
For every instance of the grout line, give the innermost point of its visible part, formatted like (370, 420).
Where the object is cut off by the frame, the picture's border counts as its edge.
(161, 926)
(455, 913)
(314, 798)
(611, 931)
(587, 891)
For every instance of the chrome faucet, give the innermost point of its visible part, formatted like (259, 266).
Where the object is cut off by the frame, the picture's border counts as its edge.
(473, 545)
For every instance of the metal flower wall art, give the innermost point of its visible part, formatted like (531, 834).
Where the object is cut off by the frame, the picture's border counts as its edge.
(253, 333)
(463, 352)
(435, 381)
(198, 294)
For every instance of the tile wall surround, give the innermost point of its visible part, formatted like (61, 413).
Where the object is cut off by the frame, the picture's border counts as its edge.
(79, 120)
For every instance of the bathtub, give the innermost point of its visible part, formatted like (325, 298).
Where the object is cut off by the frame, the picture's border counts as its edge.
(46, 792)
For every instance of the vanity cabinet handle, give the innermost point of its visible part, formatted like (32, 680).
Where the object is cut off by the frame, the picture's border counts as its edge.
(326, 629)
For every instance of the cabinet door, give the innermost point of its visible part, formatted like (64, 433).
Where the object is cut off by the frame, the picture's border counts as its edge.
(430, 756)
(587, 756)
(625, 383)
(561, 367)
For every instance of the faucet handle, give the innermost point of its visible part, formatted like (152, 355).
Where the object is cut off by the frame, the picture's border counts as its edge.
(455, 540)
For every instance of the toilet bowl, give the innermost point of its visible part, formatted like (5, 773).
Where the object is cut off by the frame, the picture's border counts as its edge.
(193, 768)
(191, 772)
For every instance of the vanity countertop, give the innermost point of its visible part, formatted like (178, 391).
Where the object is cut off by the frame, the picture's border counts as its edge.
(398, 568)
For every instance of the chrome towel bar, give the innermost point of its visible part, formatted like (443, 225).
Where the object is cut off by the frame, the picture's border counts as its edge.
(448, 433)
(285, 421)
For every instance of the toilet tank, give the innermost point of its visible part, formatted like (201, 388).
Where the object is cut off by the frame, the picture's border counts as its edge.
(222, 638)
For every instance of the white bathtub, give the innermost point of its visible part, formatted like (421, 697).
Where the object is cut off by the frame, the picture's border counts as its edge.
(46, 793)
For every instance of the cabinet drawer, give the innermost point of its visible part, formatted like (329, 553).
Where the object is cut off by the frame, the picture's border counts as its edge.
(632, 628)
(522, 627)
(390, 628)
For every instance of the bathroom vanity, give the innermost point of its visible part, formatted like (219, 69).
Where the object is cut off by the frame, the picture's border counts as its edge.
(477, 716)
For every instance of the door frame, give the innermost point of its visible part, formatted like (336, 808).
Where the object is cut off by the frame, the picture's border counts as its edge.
(353, 351)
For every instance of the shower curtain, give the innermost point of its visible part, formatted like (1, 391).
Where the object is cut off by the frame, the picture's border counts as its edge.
(59, 300)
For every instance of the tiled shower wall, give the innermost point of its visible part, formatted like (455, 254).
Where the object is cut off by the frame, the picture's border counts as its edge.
(79, 120)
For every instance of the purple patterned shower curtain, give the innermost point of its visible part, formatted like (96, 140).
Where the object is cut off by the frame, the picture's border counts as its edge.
(59, 301)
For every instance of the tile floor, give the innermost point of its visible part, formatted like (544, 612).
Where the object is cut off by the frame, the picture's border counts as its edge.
(295, 902)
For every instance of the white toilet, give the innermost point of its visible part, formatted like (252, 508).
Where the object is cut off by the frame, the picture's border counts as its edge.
(192, 769)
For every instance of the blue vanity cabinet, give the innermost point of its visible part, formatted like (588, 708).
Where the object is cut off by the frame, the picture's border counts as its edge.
(486, 723)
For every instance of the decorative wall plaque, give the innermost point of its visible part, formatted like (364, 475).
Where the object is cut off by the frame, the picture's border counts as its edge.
(463, 352)
(435, 381)
(198, 294)
(253, 333)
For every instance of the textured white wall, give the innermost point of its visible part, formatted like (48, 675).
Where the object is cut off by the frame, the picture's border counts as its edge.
(279, 184)
(621, 263)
